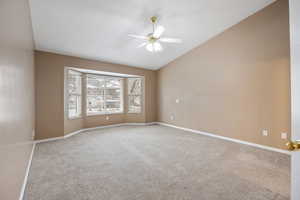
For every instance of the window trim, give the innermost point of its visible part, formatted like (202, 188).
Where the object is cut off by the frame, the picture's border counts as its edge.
(102, 113)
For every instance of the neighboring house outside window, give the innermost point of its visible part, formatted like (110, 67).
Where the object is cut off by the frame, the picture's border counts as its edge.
(134, 95)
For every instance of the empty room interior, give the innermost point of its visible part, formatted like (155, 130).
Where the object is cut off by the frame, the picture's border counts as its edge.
(149, 100)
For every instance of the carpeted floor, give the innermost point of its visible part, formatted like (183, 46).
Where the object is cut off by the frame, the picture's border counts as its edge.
(155, 163)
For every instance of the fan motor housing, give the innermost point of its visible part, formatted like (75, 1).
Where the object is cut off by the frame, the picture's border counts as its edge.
(152, 39)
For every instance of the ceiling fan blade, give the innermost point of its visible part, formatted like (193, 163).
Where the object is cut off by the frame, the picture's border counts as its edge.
(158, 31)
(142, 45)
(170, 40)
(158, 46)
(138, 36)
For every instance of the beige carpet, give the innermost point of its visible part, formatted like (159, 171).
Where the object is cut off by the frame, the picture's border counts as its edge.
(155, 163)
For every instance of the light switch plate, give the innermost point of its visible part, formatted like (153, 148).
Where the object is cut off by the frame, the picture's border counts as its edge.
(177, 101)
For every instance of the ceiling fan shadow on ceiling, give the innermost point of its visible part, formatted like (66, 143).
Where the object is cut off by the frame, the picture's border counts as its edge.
(152, 41)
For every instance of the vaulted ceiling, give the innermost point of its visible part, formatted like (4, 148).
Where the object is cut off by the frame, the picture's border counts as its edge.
(98, 29)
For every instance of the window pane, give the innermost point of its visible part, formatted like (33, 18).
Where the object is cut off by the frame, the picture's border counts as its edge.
(113, 106)
(134, 104)
(134, 95)
(134, 86)
(113, 83)
(95, 82)
(74, 106)
(74, 93)
(95, 94)
(104, 94)
(74, 82)
(95, 104)
(113, 94)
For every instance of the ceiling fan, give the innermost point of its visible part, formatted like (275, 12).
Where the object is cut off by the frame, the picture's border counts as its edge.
(153, 40)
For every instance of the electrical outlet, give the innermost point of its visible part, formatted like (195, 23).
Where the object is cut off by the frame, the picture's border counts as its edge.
(284, 136)
(172, 117)
(107, 117)
(177, 101)
(265, 133)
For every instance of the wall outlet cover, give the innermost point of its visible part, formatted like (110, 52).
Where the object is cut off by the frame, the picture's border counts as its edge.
(107, 117)
(172, 117)
(177, 100)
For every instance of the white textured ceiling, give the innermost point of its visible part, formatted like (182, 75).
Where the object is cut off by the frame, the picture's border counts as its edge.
(98, 29)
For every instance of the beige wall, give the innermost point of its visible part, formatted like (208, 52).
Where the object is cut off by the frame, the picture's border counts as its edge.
(50, 95)
(236, 84)
(17, 95)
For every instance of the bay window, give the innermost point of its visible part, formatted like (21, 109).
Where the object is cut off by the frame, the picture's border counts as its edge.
(89, 93)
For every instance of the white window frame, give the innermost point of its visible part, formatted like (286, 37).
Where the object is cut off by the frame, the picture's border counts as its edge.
(68, 95)
(141, 96)
(105, 89)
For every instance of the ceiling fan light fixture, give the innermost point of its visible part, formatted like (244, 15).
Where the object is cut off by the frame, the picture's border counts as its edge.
(154, 47)
(157, 47)
(153, 39)
(149, 47)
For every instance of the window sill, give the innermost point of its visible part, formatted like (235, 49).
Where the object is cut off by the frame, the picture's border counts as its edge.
(96, 114)
(74, 118)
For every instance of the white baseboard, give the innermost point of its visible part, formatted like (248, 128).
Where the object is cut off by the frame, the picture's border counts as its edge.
(173, 126)
(141, 124)
(27, 173)
(49, 139)
(226, 138)
(101, 127)
(94, 128)
(73, 133)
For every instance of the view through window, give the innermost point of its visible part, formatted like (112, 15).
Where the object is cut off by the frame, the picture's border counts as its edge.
(74, 93)
(134, 95)
(104, 94)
